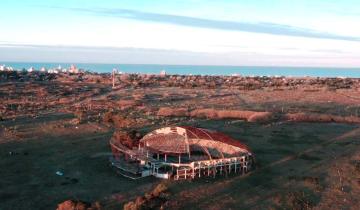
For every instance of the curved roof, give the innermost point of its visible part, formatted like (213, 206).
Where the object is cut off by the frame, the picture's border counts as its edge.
(185, 139)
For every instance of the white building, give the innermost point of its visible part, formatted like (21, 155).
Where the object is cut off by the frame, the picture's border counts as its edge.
(53, 71)
(73, 69)
(31, 69)
(163, 73)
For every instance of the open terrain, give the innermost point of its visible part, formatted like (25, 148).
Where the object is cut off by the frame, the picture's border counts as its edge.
(304, 133)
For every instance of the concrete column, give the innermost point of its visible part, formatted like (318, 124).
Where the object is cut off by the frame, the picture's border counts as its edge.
(199, 170)
(177, 173)
(221, 167)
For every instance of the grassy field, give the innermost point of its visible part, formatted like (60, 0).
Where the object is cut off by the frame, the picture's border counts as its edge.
(295, 167)
(50, 127)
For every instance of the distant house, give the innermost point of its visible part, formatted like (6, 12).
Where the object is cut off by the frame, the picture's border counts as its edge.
(53, 71)
(163, 73)
(43, 69)
(6, 68)
(73, 69)
(31, 69)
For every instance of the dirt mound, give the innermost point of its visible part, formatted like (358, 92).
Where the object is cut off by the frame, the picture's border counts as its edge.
(128, 103)
(74, 205)
(307, 117)
(250, 116)
(260, 117)
(204, 113)
(175, 112)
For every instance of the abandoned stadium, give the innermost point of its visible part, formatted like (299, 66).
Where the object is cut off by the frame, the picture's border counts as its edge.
(181, 153)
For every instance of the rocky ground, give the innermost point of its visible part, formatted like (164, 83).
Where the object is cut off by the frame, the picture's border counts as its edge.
(54, 133)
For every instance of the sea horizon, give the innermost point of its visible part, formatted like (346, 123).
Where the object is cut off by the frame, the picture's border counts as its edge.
(216, 70)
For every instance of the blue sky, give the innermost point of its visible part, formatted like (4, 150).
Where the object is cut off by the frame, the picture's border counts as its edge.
(211, 32)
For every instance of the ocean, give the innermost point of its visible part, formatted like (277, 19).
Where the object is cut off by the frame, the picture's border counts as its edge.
(202, 70)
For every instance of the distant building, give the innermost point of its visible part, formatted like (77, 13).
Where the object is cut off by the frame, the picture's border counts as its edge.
(2, 67)
(73, 69)
(43, 69)
(163, 73)
(31, 69)
(53, 71)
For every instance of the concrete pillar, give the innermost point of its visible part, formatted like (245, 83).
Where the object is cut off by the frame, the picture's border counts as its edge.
(199, 170)
(221, 167)
(177, 173)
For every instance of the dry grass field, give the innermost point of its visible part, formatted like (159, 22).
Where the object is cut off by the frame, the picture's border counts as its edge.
(310, 161)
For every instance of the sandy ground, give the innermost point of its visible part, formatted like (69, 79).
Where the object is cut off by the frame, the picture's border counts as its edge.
(50, 127)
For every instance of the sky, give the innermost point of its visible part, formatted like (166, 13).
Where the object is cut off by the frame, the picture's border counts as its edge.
(194, 32)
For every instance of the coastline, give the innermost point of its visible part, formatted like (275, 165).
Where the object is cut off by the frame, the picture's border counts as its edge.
(205, 70)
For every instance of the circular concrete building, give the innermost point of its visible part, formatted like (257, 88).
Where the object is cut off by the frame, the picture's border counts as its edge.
(182, 153)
